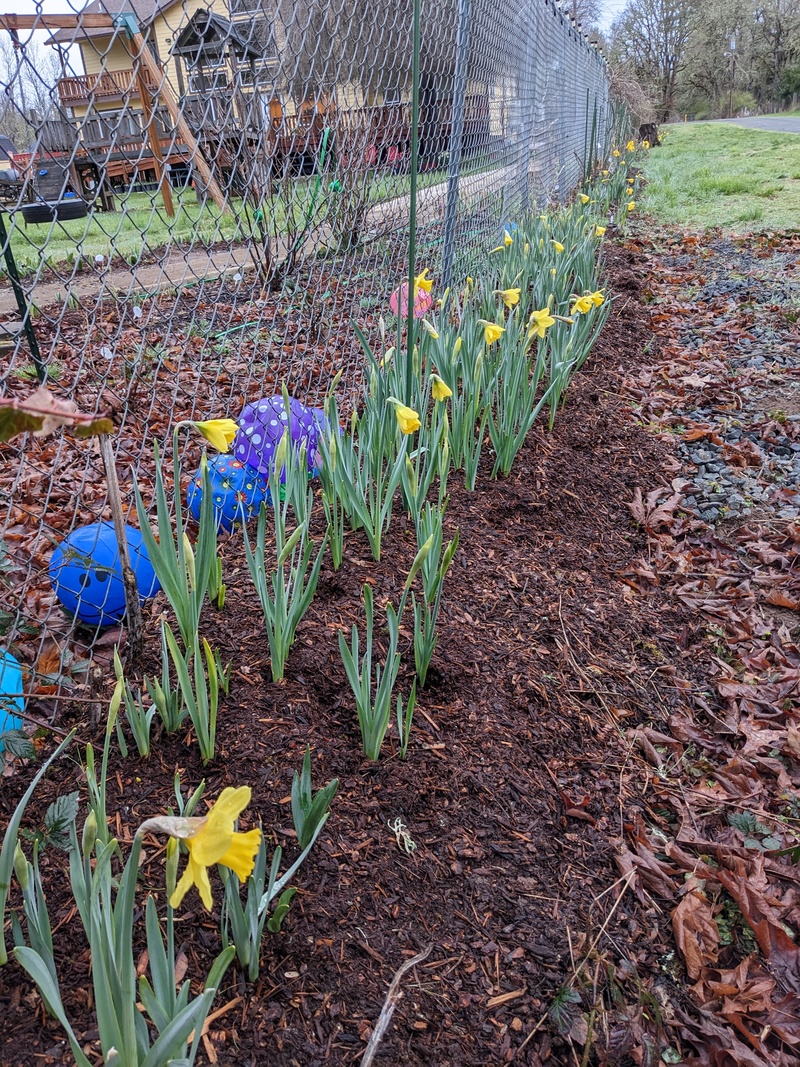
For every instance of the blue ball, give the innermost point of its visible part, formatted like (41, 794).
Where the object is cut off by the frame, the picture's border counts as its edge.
(234, 485)
(10, 683)
(87, 575)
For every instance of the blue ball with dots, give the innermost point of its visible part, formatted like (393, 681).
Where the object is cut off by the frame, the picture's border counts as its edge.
(86, 573)
(236, 487)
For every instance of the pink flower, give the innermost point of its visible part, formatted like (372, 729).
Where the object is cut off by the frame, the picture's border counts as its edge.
(423, 302)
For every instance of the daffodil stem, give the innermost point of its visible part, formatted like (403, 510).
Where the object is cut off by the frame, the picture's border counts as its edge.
(412, 206)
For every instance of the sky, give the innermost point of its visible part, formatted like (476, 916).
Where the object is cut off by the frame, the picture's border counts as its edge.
(610, 10)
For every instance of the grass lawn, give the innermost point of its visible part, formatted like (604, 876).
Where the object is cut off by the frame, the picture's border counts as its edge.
(708, 174)
(142, 222)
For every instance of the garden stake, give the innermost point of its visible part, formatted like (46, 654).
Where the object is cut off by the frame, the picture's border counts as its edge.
(133, 605)
(24, 310)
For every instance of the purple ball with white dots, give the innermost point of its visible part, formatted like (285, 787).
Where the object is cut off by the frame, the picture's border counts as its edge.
(262, 425)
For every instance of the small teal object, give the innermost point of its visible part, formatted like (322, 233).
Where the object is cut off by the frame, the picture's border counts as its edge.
(10, 686)
(235, 487)
(335, 186)
(86, 573)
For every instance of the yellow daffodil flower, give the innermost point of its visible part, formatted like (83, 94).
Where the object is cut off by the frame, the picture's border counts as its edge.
(540, 322)
(470, 285)
(553, 271)
(616, 153)
(510, 296)
(407, 418)
(584, 198)
(630, 147)
(582, 304)
(597, 297)
(457, 346)
(604, 173)
(211, 840)
(600, 230)
(645, 145)
(430, 330)
(423, 282)
(622, 162)
(491, 331)
(218, 432)
(508, 240)
(629, 190)
(631, 205)
(630, 181)
(439, 388)
(558, 246)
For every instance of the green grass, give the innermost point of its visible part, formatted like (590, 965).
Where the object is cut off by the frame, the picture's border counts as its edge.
(707, 174)
(142, 222)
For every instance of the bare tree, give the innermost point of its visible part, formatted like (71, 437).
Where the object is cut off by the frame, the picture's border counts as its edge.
(651, 37)
(28, 95)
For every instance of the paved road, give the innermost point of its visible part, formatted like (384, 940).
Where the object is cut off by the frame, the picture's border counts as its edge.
(776, 123)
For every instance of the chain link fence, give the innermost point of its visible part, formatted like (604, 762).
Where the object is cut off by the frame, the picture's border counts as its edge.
(200, 200)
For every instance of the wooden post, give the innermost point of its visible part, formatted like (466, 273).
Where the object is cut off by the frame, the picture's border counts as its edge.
(155, 142)
(137, 48)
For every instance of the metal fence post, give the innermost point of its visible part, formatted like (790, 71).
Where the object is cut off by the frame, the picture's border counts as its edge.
(456, 140)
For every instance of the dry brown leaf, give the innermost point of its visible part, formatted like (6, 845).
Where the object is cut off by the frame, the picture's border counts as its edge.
(696, 933)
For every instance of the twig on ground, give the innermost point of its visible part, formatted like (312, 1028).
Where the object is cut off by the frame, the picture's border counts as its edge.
(392, 997)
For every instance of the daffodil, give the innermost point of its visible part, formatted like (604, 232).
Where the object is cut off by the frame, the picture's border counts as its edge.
(491, 331)
(553, 271)
(510, 296)
(630, 181)
(645, 144)
(584, 198)
(508, 240)
(631, 205)
(540, 322)
(210, 840)
(600, 230)
(604, 173)
(218, 432)
(615, 153)
(457, 346)
(469, 286)
(597, 297)
(439, 388)
(630, 147)
(430, 330)
(582, 304)
(422, 282)
(407, 418)
(629, 190)
(558, 246)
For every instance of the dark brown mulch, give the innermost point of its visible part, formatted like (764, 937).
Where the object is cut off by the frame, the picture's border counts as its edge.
(516, 788)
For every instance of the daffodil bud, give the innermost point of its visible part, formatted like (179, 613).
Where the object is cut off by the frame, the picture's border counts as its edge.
(415, 360)
(188, 555)
(419, 559)
(89, 835)
(527, 248)
(21, 868)
(382, 328)
(116, 700)
(353, 421)
(280, 453)
(173, 854)
(333, 453)
(478, 367)
(412, 476)
(457, 346)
